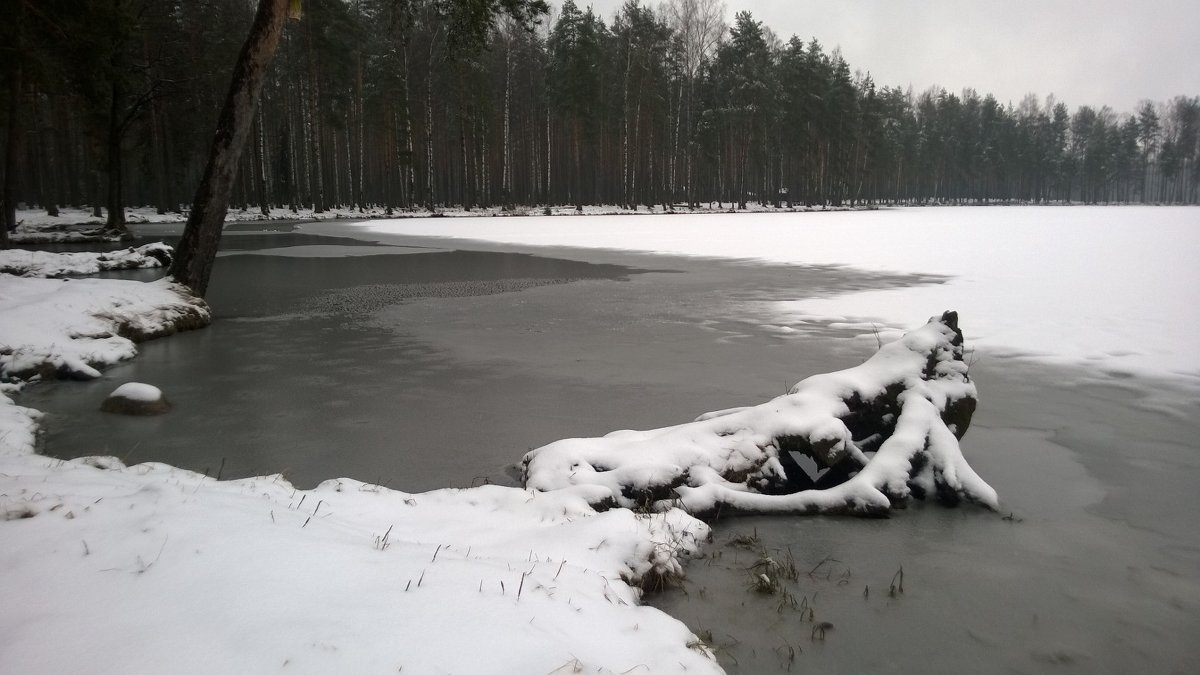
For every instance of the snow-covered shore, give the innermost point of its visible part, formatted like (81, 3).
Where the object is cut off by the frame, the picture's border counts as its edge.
(74, 225)
(22, 263)
(254, 575)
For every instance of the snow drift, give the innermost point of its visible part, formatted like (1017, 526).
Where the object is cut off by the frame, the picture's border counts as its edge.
(877, 434)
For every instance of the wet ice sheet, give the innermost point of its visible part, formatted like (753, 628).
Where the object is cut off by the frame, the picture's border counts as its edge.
(1094, 570)
(327, 251)
(1118, 286)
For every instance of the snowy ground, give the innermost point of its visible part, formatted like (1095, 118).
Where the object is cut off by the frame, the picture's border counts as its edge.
(1113, 288)
(22, 263)
(254, 575)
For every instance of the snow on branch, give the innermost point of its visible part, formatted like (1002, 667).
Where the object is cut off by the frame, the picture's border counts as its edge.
(860, 441)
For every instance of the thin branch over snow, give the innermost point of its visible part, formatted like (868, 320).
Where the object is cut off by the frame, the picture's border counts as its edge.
(878, 434)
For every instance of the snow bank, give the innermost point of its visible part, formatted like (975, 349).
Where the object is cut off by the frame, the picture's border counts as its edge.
(255, 576)
(891, 425)
(1119, 284)
(45, 264)
(71, 327)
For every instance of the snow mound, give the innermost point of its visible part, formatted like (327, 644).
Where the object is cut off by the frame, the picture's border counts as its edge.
(71, 327)
(255, 576)
(878, 434)
(136, 398)
(25, 263)
(137, 391)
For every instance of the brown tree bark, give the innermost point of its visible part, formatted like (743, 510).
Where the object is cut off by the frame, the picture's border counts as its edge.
(198, 248)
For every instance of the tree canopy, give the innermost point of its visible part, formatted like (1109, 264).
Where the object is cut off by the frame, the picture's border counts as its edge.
(421, 104)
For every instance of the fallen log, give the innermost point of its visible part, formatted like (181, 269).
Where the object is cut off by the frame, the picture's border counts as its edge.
(871, 437)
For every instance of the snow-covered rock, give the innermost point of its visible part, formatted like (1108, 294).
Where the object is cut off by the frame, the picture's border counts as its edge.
(879, 433)
(136, 398)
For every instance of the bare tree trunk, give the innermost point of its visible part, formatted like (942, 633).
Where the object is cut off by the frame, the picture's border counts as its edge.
(485, 177)
(47, 159)
(315, 138)
(429, 194)
(410, 179)
(9, 197)
(306, 141)
(358, 104)
(626, 197)
(115, 198)
(10, 161)
(198, 248)
(637, 138)
(260, 160)
(506, 187)
(351, 197)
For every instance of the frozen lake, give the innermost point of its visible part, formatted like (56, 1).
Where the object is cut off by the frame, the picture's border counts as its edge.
(377, 351)
(1116, 288)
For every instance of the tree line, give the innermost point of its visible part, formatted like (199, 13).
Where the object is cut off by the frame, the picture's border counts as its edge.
(382, 103)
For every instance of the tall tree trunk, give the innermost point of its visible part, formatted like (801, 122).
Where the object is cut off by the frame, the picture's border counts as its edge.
(9, 198)
(410, 179)
(261, 163)
(48, 173)
(358, 105)
(626, 197)
(115, 198)
(198, 248)
(506, 182)
(429, 184)
(351, 195)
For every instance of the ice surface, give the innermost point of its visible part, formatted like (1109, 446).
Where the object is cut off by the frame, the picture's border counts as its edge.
(1118, 286)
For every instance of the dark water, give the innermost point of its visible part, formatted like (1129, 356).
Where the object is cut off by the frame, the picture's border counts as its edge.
(422, 367)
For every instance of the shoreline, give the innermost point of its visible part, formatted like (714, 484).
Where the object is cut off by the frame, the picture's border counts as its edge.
(1011, 594)
(35, 228)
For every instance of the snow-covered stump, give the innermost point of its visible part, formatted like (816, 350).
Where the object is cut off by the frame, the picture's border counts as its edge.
(878, 434)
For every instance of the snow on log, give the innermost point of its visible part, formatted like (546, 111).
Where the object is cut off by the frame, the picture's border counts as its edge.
(872, 436)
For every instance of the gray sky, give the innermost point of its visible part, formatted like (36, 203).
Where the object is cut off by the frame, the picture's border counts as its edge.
(1085, 52)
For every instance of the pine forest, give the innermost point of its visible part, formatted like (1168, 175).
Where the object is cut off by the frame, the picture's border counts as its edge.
(111, 103)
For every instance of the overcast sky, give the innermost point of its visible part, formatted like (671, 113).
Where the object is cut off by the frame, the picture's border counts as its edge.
(1085, 52)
